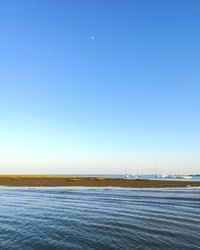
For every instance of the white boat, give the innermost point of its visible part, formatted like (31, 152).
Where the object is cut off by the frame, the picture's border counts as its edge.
(184, 176)
(133, 175)
(164, 176)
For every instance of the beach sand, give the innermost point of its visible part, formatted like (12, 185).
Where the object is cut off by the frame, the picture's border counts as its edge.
(59, 181)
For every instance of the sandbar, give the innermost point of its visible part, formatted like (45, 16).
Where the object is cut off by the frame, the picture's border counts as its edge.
(63, 181)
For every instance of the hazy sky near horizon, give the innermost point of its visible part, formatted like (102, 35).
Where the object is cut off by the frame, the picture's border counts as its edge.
(87, 87)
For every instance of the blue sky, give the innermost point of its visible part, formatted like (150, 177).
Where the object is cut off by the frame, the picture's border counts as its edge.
(92, 86)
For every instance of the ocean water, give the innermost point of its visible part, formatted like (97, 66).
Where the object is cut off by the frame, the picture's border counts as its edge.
(99, 218)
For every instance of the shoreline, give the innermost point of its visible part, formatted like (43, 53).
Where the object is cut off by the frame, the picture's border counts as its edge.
(62, 181)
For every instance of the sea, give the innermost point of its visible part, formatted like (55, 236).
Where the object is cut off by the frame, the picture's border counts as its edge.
(99, 218)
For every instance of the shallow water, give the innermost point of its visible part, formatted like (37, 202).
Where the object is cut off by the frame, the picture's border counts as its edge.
(98, 218)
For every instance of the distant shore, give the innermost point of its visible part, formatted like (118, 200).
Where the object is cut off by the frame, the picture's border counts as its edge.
(61, 181)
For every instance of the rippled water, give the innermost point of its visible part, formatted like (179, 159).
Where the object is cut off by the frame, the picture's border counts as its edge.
(97, 218)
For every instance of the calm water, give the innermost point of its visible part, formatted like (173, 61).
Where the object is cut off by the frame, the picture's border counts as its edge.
(98, 218)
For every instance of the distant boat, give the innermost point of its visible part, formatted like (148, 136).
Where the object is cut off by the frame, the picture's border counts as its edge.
(126, 173)
(164, 176)
(171, 176)
(184, 176)
(133, 175)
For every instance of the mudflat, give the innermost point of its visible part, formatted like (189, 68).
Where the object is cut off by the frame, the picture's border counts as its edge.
(59, 181)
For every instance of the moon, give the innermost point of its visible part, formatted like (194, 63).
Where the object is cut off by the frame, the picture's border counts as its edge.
(92, 37)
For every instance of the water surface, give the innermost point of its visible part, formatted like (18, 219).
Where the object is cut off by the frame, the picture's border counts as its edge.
(99, 218)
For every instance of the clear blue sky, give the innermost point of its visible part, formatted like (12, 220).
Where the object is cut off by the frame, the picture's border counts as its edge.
(89, 86)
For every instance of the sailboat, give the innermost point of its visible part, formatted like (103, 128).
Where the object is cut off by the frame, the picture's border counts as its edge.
(126, 172)
(171, 176)
(156, 173)
(183, 176)
(133, 175)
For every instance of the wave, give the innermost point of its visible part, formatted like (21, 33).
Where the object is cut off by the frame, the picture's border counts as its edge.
(99, 218)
